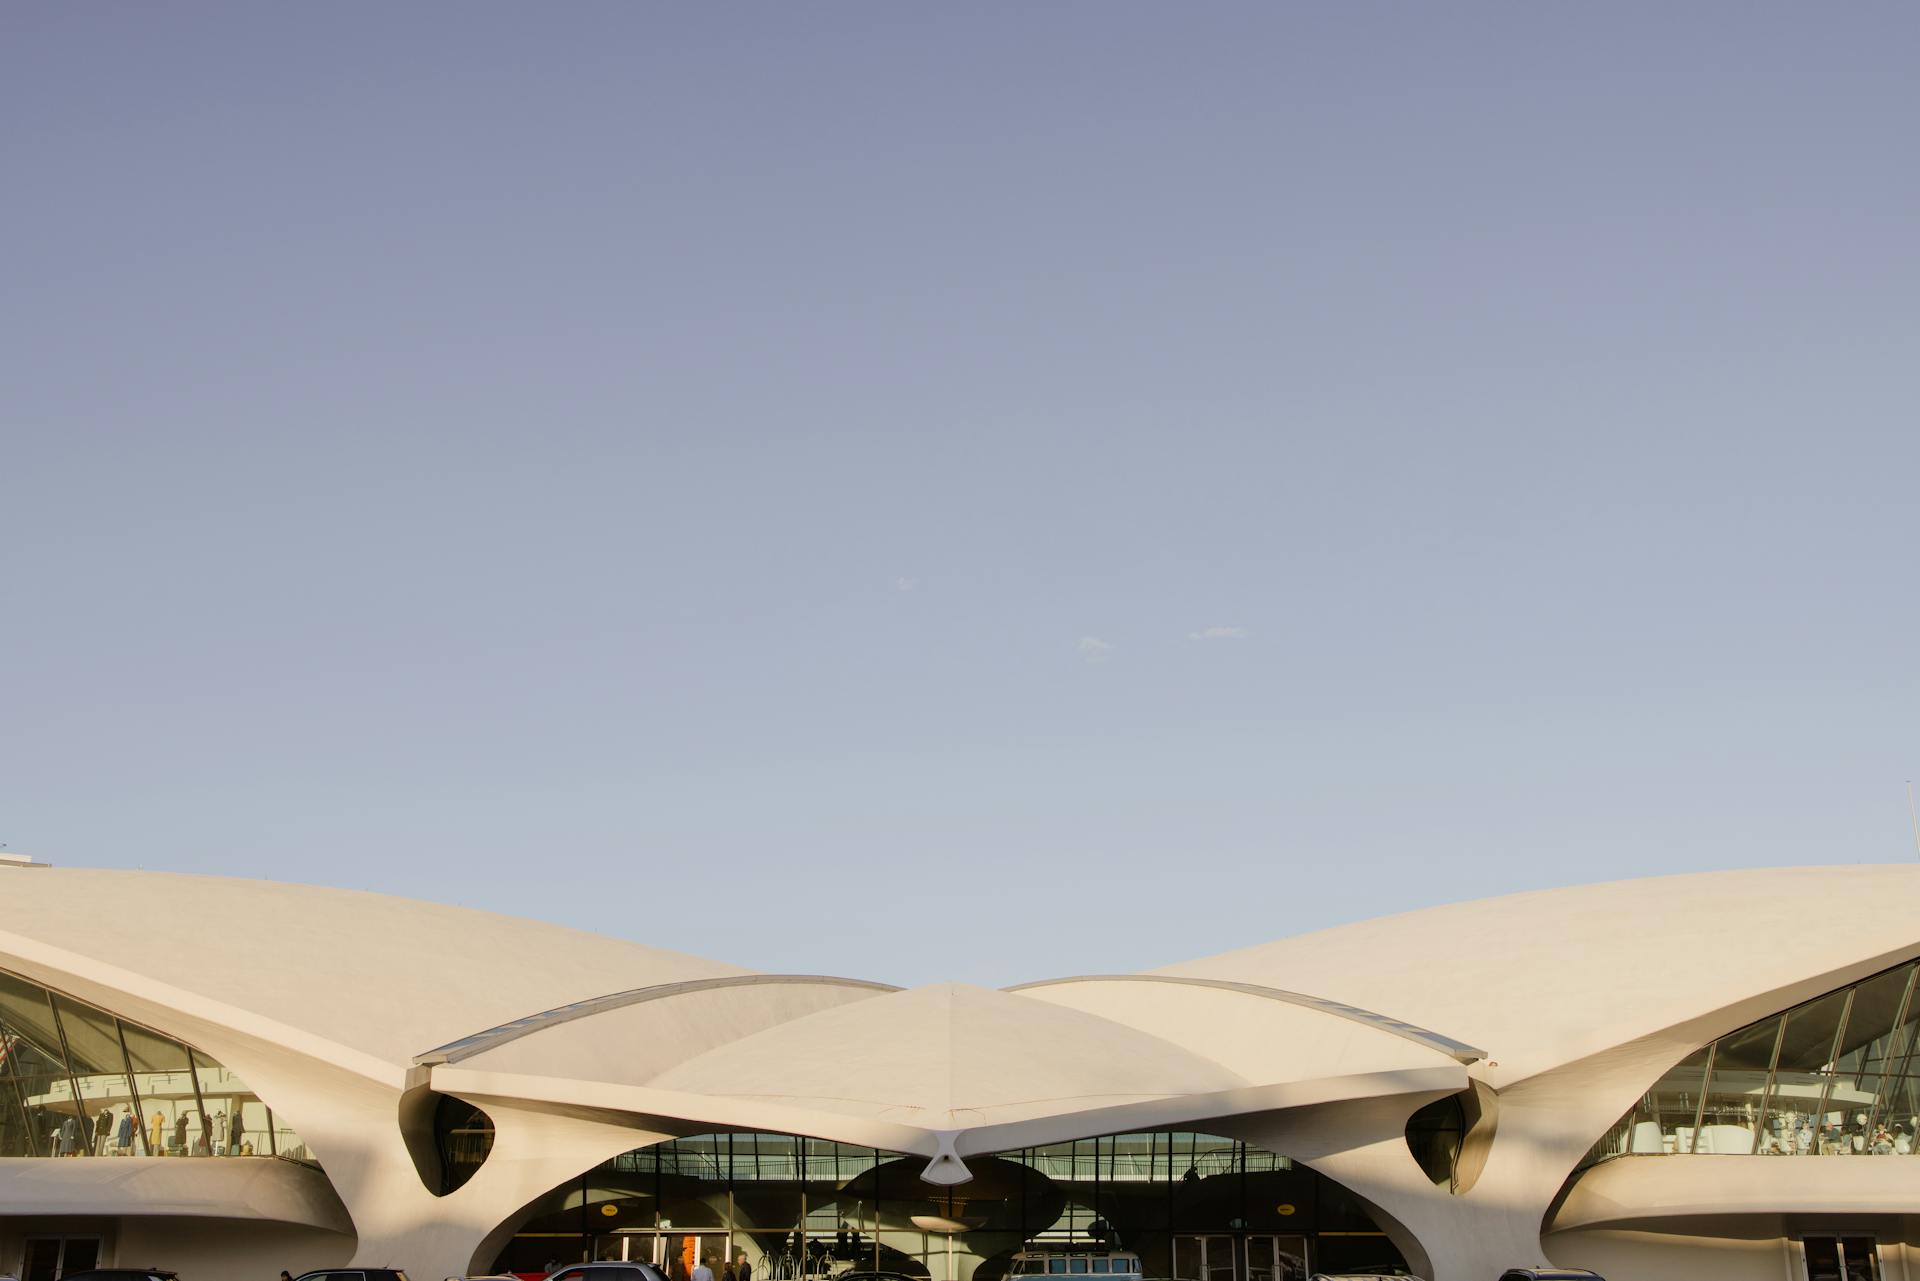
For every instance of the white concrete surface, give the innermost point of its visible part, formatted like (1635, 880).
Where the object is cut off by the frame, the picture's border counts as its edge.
(1580, 999)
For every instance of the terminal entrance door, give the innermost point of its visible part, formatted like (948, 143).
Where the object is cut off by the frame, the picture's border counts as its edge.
(1842, 1258)
(1229, 1258)
(1204, 1258)
(676, 1254)
(50, 1258)
(1276, 1258)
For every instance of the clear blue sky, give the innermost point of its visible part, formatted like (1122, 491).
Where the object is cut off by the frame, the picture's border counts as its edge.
(958, 492)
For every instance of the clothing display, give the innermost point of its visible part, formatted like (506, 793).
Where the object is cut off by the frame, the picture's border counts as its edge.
(157, 1135)
(124, 1139)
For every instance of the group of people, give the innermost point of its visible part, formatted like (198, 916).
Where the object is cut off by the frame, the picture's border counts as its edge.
(1851, 1136)
(122, 1133)
(736, 1269)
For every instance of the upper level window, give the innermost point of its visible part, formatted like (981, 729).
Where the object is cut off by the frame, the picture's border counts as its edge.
(77, 1081)
(1833, 1076)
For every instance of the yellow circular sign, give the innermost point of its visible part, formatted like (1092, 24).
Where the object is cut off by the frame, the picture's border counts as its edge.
(1284, 1208)
(609, 1210)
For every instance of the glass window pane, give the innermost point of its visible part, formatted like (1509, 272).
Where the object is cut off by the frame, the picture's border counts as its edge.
(1899, 1114)
(164, 1082)
(57, 1128)
(47, 1119)
(28, 1019)
(1664, 1119)
(42, 1259)
(1802, 1077)
(100, 1070)
(237, 1122)
(16, 1137)
(1860, 1259)
(1870, 1025)
(1737, 1089)
(1808, 1046)
(1850, 1124)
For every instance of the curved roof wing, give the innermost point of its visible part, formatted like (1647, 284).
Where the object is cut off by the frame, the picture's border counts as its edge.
(494, 1037)
(1458, 1051)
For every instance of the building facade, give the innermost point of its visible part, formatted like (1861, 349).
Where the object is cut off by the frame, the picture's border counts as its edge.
(1653, 1078)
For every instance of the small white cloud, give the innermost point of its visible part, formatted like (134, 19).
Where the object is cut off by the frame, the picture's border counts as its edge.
(905, 584)
(1219, 633)
(1094, 650)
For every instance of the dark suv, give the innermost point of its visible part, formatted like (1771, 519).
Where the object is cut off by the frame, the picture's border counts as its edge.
(610, 1270)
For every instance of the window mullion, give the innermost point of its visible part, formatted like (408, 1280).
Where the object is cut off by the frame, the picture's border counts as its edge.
(1832, 1074)
(1700, 1104)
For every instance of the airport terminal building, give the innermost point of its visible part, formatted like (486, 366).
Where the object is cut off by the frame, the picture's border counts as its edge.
(1654, 1079)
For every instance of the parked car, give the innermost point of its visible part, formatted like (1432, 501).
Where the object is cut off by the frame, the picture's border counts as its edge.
(1550, 1274)
(123, 1274)
(1363, 1276)
(608, 1270)
(353, 1274)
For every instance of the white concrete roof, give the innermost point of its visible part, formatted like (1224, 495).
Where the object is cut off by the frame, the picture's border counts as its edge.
(950, 1057)
(1544, 978)
(388, 977)
(1534, 980)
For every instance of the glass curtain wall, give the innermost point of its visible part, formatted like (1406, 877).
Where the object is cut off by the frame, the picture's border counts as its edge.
(1835, 1076)
(1193, 1207)
(75, 1081)
(463, 1136)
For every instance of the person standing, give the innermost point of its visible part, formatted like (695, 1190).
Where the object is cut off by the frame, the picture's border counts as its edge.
(742, 1270)
(703, 1270)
